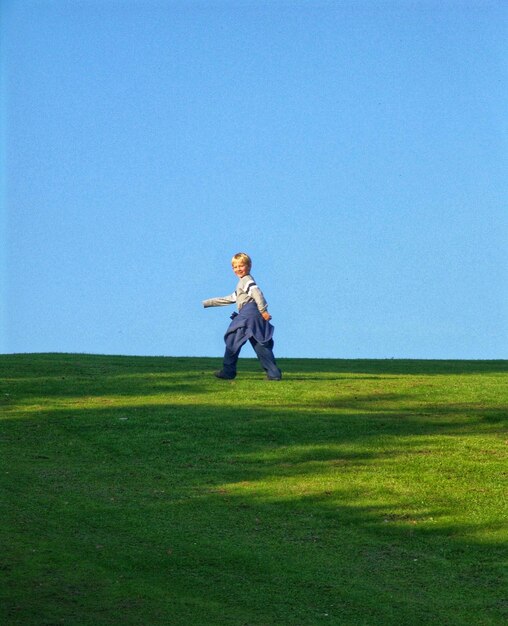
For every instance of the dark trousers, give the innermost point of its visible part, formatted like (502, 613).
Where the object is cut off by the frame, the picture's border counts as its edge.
(264, 352)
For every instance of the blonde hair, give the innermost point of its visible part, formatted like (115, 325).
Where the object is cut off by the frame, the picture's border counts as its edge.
(242, 256)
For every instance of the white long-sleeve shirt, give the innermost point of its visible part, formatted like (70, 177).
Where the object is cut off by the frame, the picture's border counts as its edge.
(246, 291)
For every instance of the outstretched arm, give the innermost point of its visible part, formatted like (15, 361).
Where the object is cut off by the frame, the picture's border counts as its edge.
(221, 301)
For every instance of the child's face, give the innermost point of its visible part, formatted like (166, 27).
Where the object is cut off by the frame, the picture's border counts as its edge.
(240, 268)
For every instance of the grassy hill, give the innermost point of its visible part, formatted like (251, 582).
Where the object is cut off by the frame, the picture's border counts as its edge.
(142, 491)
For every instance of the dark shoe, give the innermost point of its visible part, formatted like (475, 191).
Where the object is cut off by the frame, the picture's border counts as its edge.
(220, 374)
(268, 378)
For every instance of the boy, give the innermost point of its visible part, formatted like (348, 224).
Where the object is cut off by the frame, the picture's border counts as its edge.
(250, 323)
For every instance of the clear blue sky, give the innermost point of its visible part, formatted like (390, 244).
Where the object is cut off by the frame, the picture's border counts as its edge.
(357, 149)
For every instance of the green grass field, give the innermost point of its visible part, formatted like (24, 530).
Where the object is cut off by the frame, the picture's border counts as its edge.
(142, 491)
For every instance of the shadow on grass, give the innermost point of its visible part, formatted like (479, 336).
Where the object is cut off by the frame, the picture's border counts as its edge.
(51, 375)
(343, 510)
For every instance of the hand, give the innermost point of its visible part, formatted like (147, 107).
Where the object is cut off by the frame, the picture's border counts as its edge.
(266, 316)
